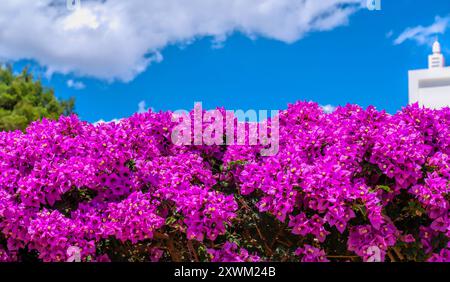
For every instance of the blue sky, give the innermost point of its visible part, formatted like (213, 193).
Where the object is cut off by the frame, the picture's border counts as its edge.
(361, 60)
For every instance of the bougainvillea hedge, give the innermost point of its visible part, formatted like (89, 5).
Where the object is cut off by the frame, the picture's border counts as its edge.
(353, 185)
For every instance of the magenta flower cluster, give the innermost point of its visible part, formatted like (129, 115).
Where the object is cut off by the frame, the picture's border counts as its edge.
(379, 181)
(230, 252)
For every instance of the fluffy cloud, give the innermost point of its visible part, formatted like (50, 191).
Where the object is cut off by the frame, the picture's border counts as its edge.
(328, 109)
(100, 121)
(424, 34)
(78, 85)
(117, 39)
(142, 107)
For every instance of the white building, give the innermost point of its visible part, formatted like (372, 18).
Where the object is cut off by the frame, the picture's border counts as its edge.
(431, 87)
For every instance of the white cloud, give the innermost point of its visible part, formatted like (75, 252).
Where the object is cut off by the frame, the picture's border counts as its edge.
(79, 19)
(424, 34)
(142, 107)
(328, 108)
(115, 120)
(78, 85)
(117, 39)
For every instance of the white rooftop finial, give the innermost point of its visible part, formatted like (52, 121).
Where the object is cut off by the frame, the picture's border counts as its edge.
(436, 60)
(436, 47)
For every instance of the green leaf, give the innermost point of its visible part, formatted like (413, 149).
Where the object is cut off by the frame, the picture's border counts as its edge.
(171, 220)
(384, 187)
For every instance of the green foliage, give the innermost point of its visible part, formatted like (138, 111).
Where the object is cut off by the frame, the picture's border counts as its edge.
(23, 100)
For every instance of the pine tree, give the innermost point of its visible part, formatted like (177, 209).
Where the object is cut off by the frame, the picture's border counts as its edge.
(23, 99)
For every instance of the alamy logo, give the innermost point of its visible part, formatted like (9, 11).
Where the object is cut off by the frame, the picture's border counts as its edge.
(73, 254)
(215, 127)
(374, 5)
(374, 254)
